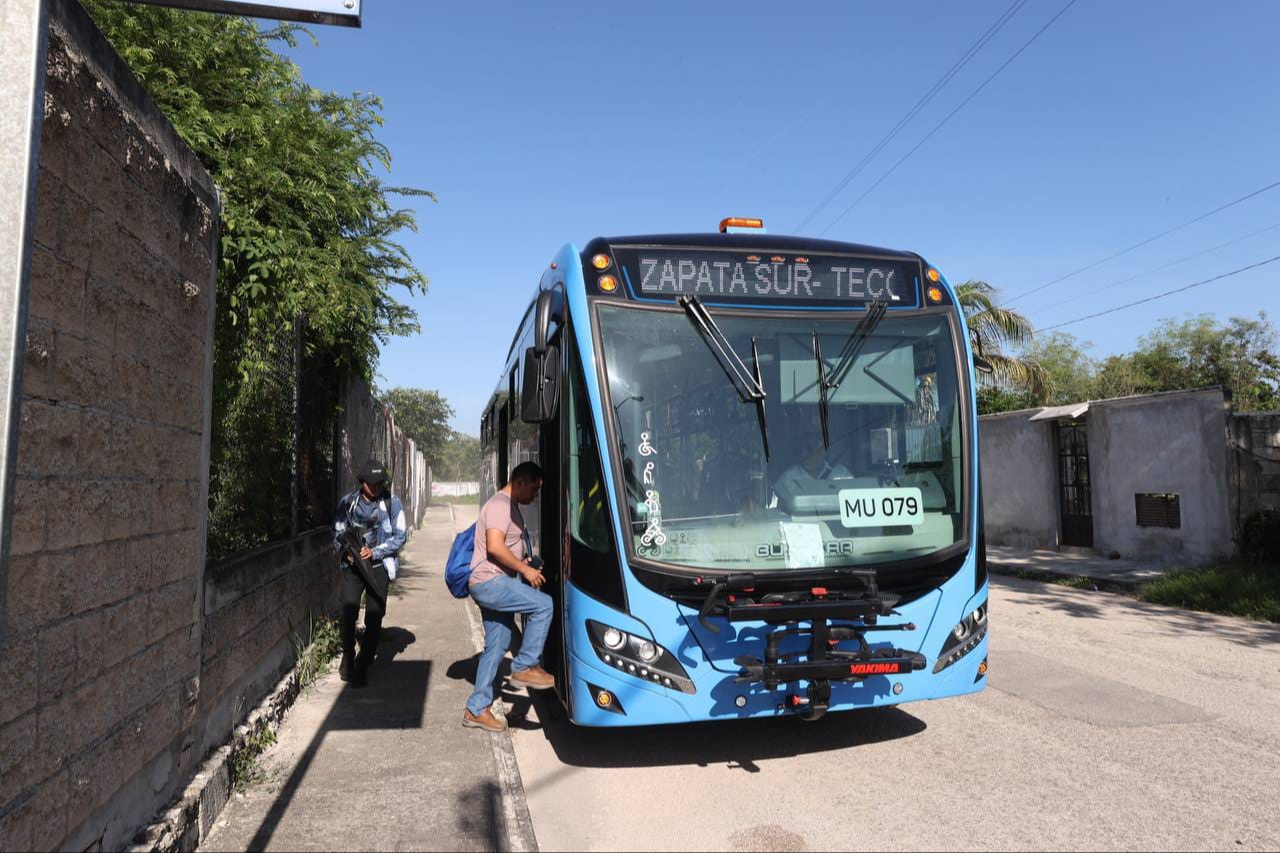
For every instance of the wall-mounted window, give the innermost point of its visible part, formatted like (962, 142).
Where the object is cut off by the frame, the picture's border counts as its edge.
(1158, 510)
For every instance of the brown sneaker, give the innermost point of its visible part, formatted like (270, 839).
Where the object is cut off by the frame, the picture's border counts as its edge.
(534, 678)
(486, 721)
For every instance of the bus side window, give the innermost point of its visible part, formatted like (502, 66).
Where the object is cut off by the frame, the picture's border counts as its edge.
(503, 465)
(588, 518)
(593, 559)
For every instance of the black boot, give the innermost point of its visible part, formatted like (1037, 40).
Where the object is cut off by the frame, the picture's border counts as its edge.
(344, 668)
(359, 676)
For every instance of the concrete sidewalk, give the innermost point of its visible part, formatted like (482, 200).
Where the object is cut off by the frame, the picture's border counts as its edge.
(390, 767)
(1121, 575)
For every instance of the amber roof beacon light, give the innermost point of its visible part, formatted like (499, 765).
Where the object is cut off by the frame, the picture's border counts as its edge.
(739, 224)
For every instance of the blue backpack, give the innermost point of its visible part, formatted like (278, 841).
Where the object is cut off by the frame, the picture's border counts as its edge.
(457, 569)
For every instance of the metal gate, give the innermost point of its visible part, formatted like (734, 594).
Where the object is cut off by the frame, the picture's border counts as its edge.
(1073, 483)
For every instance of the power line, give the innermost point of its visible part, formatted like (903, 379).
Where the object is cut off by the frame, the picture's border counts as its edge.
(950, 115)
(928, 96)
(1141, 243)
(1162, 295)
(1080, 296)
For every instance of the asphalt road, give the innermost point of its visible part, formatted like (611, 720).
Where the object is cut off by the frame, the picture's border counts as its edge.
(1107, 724)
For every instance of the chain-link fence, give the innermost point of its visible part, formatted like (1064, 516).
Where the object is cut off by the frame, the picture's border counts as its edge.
(369, 429)
(289, 432)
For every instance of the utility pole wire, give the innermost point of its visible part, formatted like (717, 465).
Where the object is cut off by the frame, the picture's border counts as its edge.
(1141, 243)
(928, 96)
(1162, 295)
(1080, 296)
(950, 115)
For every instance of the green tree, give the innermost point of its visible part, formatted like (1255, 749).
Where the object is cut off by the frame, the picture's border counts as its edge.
(308, 227)
(992, 400)
(1118, 376)
(308, 242)
(1068, 369)
(1240, 355)
(992, 331)
(424, 416)
(461, 459)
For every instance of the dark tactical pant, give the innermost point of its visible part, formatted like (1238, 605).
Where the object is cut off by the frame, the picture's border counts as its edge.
(349, 597)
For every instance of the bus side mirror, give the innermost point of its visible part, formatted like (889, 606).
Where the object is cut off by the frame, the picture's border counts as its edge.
(549, 309)
(542, 322)
(981, 365)
(540, 393)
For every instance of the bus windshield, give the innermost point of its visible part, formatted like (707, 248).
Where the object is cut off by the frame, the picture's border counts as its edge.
(887, 484)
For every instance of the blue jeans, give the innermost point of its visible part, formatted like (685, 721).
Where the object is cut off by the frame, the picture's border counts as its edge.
(500, 599)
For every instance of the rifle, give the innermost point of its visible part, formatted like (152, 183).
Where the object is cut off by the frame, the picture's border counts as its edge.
(350, 541)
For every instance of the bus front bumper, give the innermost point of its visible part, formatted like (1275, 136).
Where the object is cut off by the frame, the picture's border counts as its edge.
(603, 697)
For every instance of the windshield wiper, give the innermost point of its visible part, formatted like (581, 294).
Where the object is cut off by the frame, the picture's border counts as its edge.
(852, 346)
(848, 354)
(854, 343)
(747, 383)
(822, 388)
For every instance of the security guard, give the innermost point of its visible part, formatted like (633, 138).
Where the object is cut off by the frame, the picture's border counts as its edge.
(373, 508)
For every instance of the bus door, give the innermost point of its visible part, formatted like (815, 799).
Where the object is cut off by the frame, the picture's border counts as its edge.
(544, 441)
(552, 524)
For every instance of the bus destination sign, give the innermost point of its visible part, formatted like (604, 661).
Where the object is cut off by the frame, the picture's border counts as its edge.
(800, 278)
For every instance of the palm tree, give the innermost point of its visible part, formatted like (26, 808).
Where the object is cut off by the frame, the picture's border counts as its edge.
(991, 329)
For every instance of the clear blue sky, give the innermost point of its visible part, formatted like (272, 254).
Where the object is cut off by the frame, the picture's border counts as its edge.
(541, 124)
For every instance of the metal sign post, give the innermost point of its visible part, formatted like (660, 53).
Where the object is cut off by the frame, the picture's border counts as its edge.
(22, 46)
(344, 13)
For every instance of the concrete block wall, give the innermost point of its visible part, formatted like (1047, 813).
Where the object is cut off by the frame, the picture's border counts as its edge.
(1019, 480)
(1172, 443)
(1255, 446)
(256, 606)
(100, 658)
(124, 659)
(1156, 443)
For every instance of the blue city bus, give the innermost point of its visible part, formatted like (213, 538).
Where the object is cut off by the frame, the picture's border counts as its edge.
(761, 463)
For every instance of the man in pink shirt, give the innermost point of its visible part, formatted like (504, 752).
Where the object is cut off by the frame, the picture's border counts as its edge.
(504, 582)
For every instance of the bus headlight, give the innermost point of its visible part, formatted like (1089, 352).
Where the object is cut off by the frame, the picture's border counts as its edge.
(647, 651)
(964, 638)
(638, 657)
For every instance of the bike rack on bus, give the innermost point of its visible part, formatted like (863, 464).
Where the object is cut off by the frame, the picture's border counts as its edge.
(824, 662)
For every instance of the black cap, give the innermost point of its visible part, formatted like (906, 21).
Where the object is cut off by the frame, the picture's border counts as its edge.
(373, 473)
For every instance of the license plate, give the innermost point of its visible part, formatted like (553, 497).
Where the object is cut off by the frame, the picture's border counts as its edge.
(880, 507)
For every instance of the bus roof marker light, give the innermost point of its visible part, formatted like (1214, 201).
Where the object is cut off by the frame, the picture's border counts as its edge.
(741, 224)
(933, 275)
(601, 261)
(935, 294)
(607, 283)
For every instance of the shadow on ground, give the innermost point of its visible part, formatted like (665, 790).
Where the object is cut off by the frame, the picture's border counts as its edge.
(739, 744)
(396, 698)
(1171, 621)
(518, 704)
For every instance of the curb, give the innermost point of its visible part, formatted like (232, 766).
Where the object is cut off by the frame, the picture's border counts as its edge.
(1086, 582)
(517, 824)
(185, 824)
